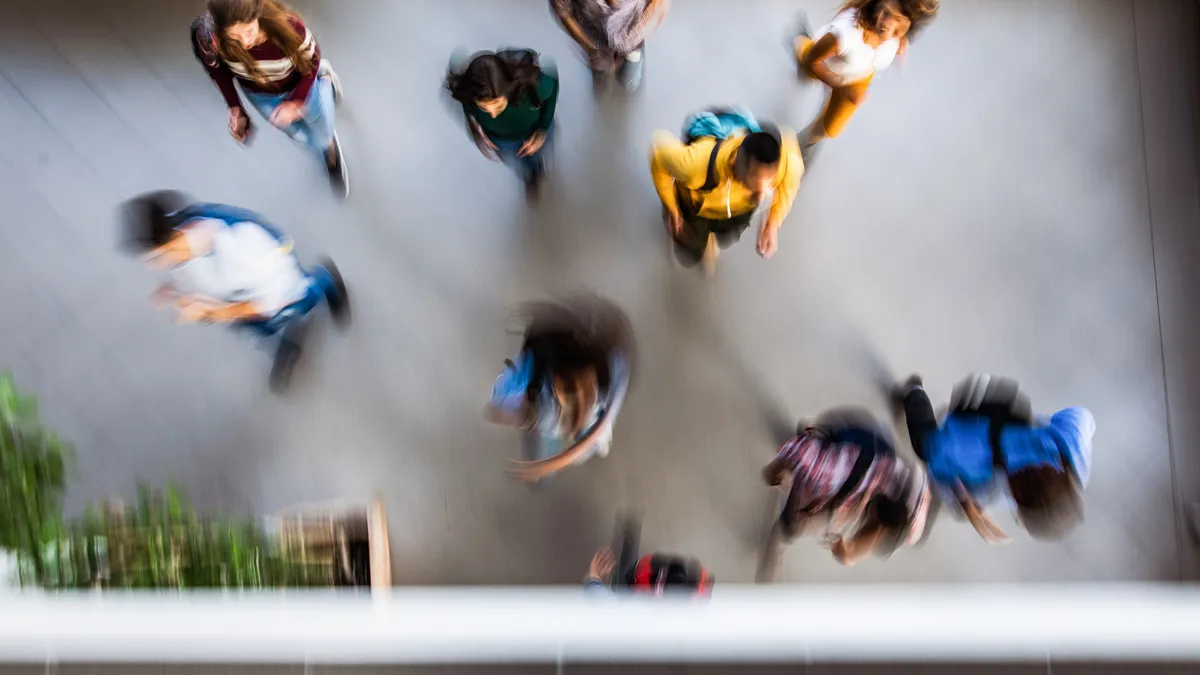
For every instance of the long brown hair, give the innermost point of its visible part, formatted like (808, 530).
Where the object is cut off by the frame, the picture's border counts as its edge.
(871, 13)
(273, 19)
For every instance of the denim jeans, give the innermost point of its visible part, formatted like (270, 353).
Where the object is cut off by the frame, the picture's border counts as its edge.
(320, 287)
(526, 167)
(315, 129)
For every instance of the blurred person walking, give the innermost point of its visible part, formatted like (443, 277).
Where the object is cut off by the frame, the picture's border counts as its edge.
(612, 34)
(991, 447)
(566, 385)
(866, 36)
(508, 99)
(229, 265)
(654, 574)
(846, 479)
(712, 181)
(265, 48)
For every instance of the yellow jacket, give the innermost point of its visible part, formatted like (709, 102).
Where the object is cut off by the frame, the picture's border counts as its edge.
(674, 164)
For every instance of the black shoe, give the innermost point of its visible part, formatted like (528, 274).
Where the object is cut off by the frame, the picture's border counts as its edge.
(533, 187)
(287, 355)
(339, 299)
(339, 178)
(914, 381)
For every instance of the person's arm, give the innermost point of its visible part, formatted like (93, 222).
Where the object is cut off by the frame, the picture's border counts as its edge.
(563, 12)
(547, 93)
(814, 61)
(673, 162)
(983, 523)
(309, 51)
(206, 53)
(195, 307)
(600, 569)
(852, 551)
(656, 12)
(787, 184)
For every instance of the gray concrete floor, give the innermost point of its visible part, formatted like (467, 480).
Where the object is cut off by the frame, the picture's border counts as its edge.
(1017, 198)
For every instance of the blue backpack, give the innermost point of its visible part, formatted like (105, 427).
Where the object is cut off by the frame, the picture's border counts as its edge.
(721, 123)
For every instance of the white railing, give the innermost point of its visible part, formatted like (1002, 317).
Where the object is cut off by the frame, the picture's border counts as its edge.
(739, 623)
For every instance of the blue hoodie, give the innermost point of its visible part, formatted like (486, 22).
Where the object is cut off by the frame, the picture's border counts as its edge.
(960, 451)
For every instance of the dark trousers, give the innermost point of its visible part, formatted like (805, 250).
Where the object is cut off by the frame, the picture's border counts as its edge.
(689, 248)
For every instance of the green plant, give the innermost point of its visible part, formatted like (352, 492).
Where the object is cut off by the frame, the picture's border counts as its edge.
(163, 543)
(33, 469)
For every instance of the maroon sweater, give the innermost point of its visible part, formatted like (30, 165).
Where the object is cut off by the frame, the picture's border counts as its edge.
(280, 73)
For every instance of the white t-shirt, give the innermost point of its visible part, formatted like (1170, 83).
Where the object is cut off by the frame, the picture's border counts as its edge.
(244, 263)
(855, 59)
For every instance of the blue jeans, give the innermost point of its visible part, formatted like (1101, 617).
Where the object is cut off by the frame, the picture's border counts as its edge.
(315, 129)
(526, 167)
(320, 287)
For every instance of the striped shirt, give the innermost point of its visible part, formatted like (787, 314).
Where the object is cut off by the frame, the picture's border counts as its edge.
(820, 469)
(619, 26)
(278, 72)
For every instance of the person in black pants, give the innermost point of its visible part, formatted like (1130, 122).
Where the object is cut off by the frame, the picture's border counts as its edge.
(991, 442)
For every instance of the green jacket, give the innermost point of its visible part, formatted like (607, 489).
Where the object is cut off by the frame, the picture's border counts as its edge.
(524, 115)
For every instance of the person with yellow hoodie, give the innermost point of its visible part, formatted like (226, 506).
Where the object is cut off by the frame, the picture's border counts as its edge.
(713, 181)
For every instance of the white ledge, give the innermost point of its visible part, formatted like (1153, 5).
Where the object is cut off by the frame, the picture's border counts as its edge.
(739, 623)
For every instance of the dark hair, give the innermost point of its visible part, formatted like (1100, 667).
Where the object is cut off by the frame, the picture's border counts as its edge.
(762, 147)
(673, 572)
(492, 75)
(147, 219)
(274, 19)
(1048, 501)
(892, 518)
(872, 12)
(574, 341)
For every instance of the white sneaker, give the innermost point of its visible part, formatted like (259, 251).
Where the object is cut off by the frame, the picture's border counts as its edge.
(326, 70)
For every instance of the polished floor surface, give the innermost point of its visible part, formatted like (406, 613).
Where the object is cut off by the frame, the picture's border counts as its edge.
(1019, 198)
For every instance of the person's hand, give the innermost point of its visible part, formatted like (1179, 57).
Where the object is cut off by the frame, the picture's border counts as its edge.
(837, 546)
(239, 124)
(286, 113)
(773, 475)
(768, 240)
(164, 295)
(191, 311)
(673, 221)
(602, 565)
(532, 144)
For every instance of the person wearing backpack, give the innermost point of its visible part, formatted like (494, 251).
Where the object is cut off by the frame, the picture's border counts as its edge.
(713, 181)
(567, 382)
(845, 476)
(508, 99)
(612, 34)
(654, 574)
(265, 48)
(864, 38)
(991, 447)
(229, 265)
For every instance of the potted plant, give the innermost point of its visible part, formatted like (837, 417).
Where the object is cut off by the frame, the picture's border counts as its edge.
(161, 542)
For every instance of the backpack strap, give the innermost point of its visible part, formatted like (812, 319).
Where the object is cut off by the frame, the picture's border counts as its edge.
(710, 180)
(866, 457)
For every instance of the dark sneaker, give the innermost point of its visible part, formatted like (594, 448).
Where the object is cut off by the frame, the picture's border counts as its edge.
(339, 178)
(287, 355)
(533, 186)
(630, 73)
(914, 381)
(339, 299)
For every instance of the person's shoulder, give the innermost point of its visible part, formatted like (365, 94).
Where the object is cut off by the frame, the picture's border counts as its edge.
(297, 25)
